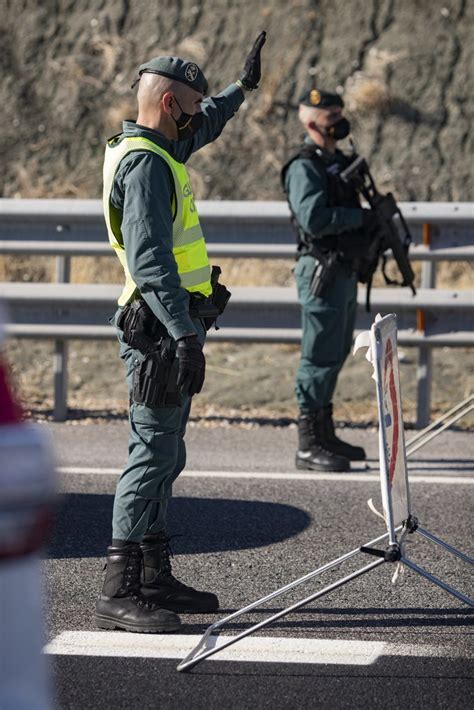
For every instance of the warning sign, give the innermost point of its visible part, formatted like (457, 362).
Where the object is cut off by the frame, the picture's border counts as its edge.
(382, 353)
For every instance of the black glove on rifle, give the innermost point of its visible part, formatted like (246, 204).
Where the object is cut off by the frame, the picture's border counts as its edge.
(191, 365)
(252, 72)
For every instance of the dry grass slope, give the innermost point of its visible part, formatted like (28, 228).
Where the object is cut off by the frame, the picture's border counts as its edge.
(403, 67)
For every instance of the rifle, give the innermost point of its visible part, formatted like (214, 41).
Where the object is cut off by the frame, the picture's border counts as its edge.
(388, 236)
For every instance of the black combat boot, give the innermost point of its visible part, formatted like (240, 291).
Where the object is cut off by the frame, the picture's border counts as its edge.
(121, 605)
(333, 443)
(312, 453)
(160, 585)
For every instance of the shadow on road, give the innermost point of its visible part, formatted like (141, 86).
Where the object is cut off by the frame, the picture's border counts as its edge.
(360, 618)
(83, 525)
(390, 682)
(446, 466)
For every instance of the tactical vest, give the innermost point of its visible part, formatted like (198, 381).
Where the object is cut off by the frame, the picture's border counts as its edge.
(340, 194)
(189, 247)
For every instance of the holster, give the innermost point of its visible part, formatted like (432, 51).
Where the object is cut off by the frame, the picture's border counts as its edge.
(154, 378)
(324, 269)
(141, 329)
(349, 248)
(211, 307)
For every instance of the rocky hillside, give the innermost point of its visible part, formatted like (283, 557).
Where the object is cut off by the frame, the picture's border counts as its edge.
(404, 67)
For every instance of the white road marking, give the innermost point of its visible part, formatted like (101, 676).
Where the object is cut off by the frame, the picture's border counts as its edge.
(285, 476)
(260, 649)
(266, 649)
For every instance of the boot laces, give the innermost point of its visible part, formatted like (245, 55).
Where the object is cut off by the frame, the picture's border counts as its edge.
(131, 576)
(313, 427)
(317, 432)
(142, 603)
(131, 583)
(165, 552)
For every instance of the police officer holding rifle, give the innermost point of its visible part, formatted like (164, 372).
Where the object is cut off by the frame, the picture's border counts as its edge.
(171, 297)
(339, 243)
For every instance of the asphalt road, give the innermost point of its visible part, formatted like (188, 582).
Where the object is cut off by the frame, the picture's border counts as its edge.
(244, 536)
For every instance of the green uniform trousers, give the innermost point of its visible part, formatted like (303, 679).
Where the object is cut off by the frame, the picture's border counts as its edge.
(156, 457)
(328, 326)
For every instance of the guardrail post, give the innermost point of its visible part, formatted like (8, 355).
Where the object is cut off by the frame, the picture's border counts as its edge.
(61, 347)
(63, 269)
(425, 364)
(60, 361)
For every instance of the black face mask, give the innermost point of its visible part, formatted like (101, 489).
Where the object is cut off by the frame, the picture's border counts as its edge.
(339, 130)
(186, 124)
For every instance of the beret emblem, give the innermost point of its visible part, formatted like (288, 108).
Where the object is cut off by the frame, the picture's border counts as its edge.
(314, 97)
(191, 72)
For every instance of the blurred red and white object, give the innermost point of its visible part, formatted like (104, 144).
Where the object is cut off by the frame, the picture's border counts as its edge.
(27, 499)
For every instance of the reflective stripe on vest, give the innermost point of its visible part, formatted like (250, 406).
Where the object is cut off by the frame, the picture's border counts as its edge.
(189, 247)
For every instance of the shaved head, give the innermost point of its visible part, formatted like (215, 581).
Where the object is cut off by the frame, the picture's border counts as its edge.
(152, 88)
(161, 100)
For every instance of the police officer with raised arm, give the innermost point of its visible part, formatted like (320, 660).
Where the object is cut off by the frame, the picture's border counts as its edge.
(171, 296)
(333, 231)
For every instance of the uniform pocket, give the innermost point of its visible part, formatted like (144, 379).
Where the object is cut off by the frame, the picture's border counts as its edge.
(304, 267)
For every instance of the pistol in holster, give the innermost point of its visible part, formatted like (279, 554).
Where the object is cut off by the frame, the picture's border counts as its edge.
(324, 269)
(155, 376)
(209, 308)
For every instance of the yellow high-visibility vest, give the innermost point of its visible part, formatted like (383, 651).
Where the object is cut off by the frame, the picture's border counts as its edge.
(189, 246)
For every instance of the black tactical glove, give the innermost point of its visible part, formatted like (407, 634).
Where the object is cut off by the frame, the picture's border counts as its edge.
(191, 365)
(370, 221)
(251, 73)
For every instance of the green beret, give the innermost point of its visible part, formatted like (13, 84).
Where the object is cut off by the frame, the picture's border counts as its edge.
(178, 69)
(317, 98)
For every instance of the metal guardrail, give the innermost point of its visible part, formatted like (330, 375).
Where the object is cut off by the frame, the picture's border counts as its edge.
(68, 228)
(259, 307)
(224, 222)
(418, 252)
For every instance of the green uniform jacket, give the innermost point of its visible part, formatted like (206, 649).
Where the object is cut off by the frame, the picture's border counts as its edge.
(143, 190)
(306, 187)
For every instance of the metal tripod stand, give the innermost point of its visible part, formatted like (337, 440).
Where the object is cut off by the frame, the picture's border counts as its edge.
(208, 645)
(395, 495)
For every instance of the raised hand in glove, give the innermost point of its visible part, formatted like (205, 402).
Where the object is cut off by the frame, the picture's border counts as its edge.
(252, 72)
(191, 365)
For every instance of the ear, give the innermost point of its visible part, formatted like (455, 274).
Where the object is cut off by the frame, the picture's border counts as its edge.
(167, 101)
(313, 126)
